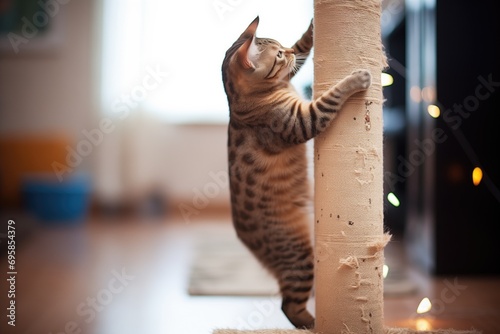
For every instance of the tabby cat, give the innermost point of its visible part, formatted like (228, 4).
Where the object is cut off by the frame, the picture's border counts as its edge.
(269, 124)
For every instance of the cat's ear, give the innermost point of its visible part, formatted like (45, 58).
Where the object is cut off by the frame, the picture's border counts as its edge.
(243, 55)
(251, 29)
(244, 50)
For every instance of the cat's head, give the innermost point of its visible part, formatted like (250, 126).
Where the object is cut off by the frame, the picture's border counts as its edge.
(257, 60)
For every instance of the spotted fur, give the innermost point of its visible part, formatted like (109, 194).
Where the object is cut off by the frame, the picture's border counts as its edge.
(269, 124)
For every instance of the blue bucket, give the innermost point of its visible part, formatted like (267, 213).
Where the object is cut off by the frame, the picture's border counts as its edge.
(53, 201)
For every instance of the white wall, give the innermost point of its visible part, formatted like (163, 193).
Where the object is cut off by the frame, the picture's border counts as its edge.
(185, 162)
(54, 91)
(50, 90)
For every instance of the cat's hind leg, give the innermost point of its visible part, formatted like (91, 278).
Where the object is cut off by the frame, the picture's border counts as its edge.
(296, 282)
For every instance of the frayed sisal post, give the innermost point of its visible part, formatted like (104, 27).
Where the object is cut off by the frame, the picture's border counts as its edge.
(349, 236)
(348, 161)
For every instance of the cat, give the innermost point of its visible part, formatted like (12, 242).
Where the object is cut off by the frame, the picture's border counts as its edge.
(268, 127)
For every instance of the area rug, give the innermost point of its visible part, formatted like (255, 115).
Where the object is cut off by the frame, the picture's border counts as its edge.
(222, 266)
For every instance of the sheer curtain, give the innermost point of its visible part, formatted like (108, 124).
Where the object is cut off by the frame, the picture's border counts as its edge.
(164, 57)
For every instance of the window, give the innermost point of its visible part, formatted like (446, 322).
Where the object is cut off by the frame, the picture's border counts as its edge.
(185, 41)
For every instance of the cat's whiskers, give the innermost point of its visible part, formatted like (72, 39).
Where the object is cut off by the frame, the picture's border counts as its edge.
(295, 66)
(292, 68)
(300, 59)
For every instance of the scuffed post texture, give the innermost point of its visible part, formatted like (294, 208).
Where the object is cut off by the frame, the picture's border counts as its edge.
(349, 234)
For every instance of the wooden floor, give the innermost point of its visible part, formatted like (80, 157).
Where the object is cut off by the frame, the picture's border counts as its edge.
(125, 276)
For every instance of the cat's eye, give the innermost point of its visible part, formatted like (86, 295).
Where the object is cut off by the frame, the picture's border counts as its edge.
(280, 54)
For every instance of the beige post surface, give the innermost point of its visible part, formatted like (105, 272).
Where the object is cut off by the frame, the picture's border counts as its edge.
(348, 162)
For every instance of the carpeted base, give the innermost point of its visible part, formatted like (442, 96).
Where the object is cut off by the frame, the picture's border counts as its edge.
(263, 331)
(437, 331)
(387, 331)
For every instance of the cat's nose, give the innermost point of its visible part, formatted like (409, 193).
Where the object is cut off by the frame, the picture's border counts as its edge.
(292, 51)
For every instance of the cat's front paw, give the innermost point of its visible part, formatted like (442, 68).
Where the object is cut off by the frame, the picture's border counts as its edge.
(361, 80)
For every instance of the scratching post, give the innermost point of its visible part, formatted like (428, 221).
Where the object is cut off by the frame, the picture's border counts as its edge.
(349, 237)
(348, 173)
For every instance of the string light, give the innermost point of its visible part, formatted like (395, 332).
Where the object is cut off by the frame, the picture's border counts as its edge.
(393, 199)
(387, 79)
(433, 110)
(423, 324)
(429, 94)
(477, 176)
(415, 94)
(385, 270)
(424, 306)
